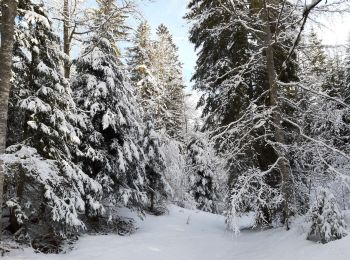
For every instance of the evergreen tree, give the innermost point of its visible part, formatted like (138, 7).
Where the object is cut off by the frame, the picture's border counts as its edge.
(242, 100)
(155, 168)
(150, 92)
(315, 58)
(325, 121)
(139, 55)
(111, 147)
(156, 75)
(52, 197)
(168, 70)
(205, 174)
(326, 218)
(347, 71)
(334, 83)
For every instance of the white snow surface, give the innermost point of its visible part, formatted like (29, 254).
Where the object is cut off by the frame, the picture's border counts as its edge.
(194, 235)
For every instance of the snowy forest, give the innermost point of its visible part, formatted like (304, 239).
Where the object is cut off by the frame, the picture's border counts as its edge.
(104, 145)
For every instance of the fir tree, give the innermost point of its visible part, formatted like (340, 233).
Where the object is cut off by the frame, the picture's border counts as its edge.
(156, 76)
(53, 198)
(347, 72)
(326, 219)
(205, 174)
(241, 96)
(112, 148)
(155, 168)
(315, 55)
(139, 55)
(150, 92)
(168, 70)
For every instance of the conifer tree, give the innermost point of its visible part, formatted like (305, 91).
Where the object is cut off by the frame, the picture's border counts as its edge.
(205, 174)
(324, 120)
(315, 58)
(168, 70)
(139, 55)
(347, 72)
(112, 148)
(149, 91)
(50, 189)
(158, 188)
(326, 219)
(241, 97)
(157, 75)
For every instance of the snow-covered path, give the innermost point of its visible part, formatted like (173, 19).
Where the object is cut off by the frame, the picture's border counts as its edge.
(169, 237)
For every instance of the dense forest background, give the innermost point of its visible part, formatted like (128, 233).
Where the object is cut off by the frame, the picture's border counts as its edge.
(109, 126)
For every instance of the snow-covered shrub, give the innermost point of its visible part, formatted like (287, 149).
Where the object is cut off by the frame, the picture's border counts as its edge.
(251, 193)
(175, 174)
(326, 219)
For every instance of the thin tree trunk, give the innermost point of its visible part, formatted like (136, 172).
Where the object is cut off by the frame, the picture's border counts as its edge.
(283, 165)
(66, 38)
(8, 9)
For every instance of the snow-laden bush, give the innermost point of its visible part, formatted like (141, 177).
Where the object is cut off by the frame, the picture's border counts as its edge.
(175, 174)
(326, 219)
(251, 193)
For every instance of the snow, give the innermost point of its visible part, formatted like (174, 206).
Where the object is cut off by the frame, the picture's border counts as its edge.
(194, 235)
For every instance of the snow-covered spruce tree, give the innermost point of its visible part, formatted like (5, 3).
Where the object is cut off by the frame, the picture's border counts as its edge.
(242, 100)
(52, 191)
(167, 69)
(312, 71)
(155, 167)
(326, 219)
(112, 146)
(157, 72)
(334, 84)
(170, 120)
(205, 174)
(149, 90)
(149, 96)
(320, 156)
(149, 63)
(139, 55)
(347, 71)
(312, 55)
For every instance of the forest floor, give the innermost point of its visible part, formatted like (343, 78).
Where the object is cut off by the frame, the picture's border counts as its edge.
(194, 235)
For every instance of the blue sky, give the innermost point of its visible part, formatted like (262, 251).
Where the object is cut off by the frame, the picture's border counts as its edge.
(170, 13)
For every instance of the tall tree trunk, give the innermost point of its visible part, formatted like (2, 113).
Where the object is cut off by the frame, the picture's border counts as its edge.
(8, 10)
(283, 165)
(66, 38)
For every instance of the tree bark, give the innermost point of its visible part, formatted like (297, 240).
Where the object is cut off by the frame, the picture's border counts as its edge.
(8, 9)
(66, 38)
(283, 165)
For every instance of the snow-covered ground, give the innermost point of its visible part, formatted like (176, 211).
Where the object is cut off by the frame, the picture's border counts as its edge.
(195, 235)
